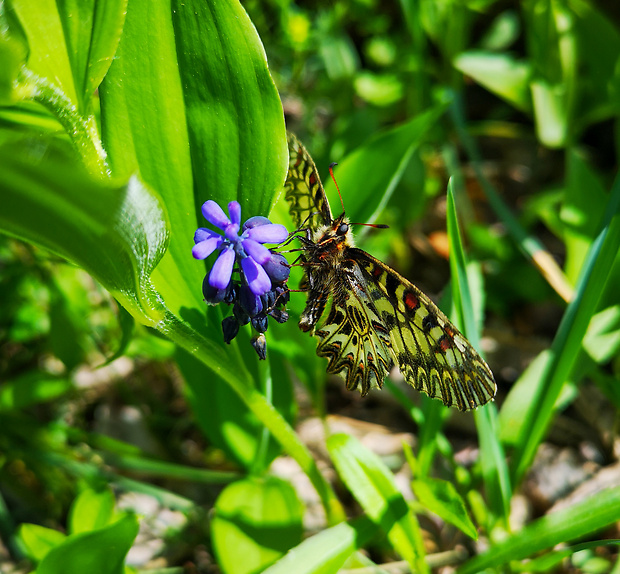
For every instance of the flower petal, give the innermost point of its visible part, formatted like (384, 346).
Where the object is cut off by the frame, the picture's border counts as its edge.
(222, 269)
(203, 249)
(231, 232)
(256, 251)
(213, 213)
(272, 233)
(234, 209)
(203, 233)
(255, 222)
(258, 280)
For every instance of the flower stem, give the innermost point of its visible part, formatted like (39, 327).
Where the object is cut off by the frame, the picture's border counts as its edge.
(80, 128)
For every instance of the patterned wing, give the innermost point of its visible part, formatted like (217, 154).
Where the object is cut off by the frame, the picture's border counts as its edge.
(303, 188)
(380, 319)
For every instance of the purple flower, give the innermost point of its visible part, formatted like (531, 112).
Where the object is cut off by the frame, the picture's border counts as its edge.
(246, 249)
(259, 290)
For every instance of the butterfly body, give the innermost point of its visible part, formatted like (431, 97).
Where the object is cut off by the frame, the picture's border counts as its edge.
(376, 318)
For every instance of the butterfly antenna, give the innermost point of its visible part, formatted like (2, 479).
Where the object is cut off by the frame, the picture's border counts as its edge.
(331, 172)
(375, 225)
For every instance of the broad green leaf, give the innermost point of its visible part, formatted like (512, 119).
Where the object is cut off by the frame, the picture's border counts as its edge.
(501, 74)
(32, 388)
(256, 521)
(583, 519)
(91, 510)
(144, 129)
(339, 54)
(373, 486)
(48, 57)
(116, 232)
(503, 31)
(39, 540)
(13, 54)
(368, 176)
(92, 32)
(440, 497)
(326, 552)
(234, 114)
(202, 127)
(99, 552)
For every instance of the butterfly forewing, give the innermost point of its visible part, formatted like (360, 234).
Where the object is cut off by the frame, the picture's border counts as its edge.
(376, 318)
(304, 192)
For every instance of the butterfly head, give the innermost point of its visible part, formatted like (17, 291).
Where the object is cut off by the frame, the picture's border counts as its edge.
(336, 235)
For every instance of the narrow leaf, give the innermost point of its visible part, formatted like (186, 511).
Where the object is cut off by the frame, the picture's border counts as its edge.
(374, 488)
(440, 497)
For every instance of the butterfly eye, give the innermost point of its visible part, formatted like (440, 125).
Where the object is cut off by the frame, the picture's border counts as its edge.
(342, 230)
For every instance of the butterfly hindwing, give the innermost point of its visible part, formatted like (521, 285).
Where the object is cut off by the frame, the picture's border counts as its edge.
(432, 355)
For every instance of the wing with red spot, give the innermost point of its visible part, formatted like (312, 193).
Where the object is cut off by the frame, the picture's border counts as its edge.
(380, 319)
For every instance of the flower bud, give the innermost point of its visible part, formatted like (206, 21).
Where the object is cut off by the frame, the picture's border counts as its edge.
(230, 328)
(277, 268)
(260, 346)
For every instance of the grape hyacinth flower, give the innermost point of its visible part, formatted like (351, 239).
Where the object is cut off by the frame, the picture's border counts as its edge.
(260, 289)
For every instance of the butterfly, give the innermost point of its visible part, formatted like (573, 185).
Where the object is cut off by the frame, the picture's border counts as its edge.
(376, 318)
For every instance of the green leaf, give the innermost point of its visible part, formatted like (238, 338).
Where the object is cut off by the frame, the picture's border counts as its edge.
(501, 74)
(513, 422)
(256, 521)
(91, 510)
(368, 176)
(67, 333)
(581, 212)
(224, 417)
(99, 552)
(602, 339)
(13, 54)
(234, 114)
(442, 498)
(582, 519)
(32, 388)
(551, 560)
(92, 31)
(206, 126)
(48, 56)
(326, 552)
(39, 540)
(373, 486)
(493, 460)
(551, 113)
(568, 340)
(116, 232)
